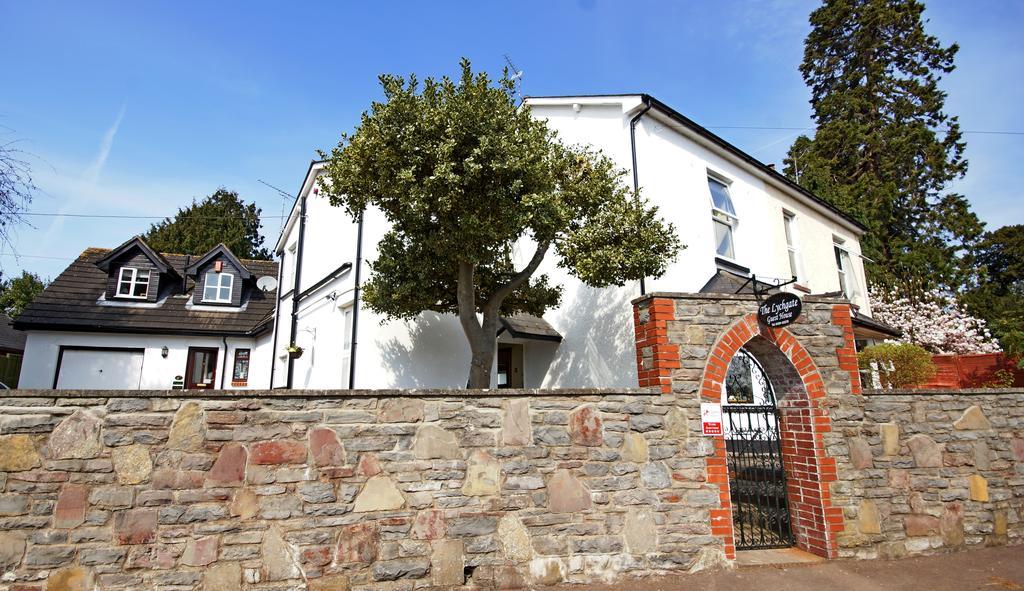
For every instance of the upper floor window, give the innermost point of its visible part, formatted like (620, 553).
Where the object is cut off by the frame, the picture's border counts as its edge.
(789, 223)
(723, 215)
(847, 274)
(133, 283)
(217, 287)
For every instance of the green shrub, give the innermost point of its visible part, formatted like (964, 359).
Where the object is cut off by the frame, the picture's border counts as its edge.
(898, 365)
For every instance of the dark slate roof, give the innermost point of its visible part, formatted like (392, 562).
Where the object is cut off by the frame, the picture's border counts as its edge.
(72, 302)
(724, 281)
(10, 339)
(874, 325)
(525, 326)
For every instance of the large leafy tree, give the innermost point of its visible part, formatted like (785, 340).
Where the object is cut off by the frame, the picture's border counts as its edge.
(998, 296)
(884, 149)
(221, 217)
(467, 178)
(16, 294)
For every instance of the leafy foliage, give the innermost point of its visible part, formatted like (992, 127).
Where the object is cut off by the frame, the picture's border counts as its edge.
(16, 186)
(884, 149)
(934, 322)
(467, 179)
(16, 294)
(898, 365)
(998, 296)
(221, 217)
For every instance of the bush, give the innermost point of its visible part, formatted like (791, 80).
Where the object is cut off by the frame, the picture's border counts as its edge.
(898, 365)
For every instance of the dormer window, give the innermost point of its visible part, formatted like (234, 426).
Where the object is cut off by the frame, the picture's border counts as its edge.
(133, 283)
(217, 287)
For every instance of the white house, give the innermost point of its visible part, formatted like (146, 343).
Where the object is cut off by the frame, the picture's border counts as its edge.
(737, 216)
(132, 318)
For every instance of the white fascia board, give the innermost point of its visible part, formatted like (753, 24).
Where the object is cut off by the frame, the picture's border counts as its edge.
(628, 102)
(293, 216)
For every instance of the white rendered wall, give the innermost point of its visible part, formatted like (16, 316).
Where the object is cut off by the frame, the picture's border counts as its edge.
(158, 373)
(597, 325)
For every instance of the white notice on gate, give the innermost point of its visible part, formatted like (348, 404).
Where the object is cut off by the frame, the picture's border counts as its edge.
(711, 418)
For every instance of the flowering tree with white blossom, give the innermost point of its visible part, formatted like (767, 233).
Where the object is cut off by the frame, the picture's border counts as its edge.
(935, 322)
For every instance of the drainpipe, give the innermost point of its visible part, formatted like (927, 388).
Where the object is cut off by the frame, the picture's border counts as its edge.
(355, 305)
(224, 362)
(277, 319)
(632, 149)
(295, 288)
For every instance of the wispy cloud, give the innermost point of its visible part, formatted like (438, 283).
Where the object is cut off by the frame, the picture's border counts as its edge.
(92, 174)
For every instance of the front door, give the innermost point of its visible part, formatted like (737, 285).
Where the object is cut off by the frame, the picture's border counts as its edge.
(757, 477)
(201, 369)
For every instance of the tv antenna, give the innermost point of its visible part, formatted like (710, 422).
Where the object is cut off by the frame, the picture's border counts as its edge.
(516, 77)
(285, 198)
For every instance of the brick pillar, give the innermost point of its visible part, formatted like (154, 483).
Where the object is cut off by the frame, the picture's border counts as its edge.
(655, 356)
(842, 317)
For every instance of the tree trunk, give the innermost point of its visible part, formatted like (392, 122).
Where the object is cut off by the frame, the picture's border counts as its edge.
(482, 338)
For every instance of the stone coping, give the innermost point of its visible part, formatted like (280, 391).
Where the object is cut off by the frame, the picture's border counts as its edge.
(734, 297)
(283, 393)
(950, 392)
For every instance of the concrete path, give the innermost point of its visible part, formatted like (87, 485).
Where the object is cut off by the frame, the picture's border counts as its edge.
(988, 569)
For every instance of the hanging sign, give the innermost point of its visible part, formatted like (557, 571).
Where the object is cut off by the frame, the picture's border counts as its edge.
(710, 418)
(781, 309)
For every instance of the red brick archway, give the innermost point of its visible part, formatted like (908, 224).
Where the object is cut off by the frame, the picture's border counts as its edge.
(801, 391)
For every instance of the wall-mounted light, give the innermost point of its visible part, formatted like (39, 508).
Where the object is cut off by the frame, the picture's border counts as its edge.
(164, 352)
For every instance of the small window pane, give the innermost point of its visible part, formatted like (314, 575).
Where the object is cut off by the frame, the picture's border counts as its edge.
(141, 288)
(720, 196)
(723, 239)
(792, 264)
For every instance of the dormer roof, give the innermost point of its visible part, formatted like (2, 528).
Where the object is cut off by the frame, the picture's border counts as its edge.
(136, 242)
(219, 250)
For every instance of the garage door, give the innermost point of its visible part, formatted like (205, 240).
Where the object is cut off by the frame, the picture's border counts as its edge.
(100, 369)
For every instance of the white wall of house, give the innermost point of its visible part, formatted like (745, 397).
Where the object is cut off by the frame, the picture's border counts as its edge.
(42, 349)
(596, 324)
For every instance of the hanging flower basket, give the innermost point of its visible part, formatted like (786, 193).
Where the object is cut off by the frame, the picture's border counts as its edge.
(294, 351)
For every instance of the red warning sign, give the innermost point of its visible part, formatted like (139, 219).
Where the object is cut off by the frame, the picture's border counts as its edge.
(710, 418)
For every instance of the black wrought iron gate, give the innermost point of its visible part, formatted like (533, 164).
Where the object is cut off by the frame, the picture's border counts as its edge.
(757, 478)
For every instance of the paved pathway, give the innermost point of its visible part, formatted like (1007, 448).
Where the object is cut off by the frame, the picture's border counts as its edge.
(988, 569)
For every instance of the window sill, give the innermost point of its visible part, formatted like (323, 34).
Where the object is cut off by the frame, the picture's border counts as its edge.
(239, 383)
(800, 287)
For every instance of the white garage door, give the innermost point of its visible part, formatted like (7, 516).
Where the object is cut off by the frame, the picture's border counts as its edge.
(98, 369)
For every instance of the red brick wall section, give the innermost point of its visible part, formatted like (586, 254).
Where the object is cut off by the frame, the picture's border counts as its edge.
(655, 356)
(841, 317)
(804, 423)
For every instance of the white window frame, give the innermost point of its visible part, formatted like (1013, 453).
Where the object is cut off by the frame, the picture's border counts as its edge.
(848, 282)
(132, 281)
(792, 249)
(722, 217)
(219, 287)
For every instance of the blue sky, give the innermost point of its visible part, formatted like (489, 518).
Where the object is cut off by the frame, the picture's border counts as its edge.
(137, 108)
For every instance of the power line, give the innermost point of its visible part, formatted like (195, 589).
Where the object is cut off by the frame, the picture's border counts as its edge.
(34, 256)
(770, 128)
(137, 217)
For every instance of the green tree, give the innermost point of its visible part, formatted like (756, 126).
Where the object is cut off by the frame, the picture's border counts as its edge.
(998, 296)
(884, 149)
(16, 294)
(465, 176)
(221, 217)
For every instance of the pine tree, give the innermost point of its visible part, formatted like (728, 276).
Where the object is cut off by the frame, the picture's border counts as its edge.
(221, 217)
(884, 149)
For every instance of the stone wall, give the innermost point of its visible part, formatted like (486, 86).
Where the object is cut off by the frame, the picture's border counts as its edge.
(923, 472)
(278, 490)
